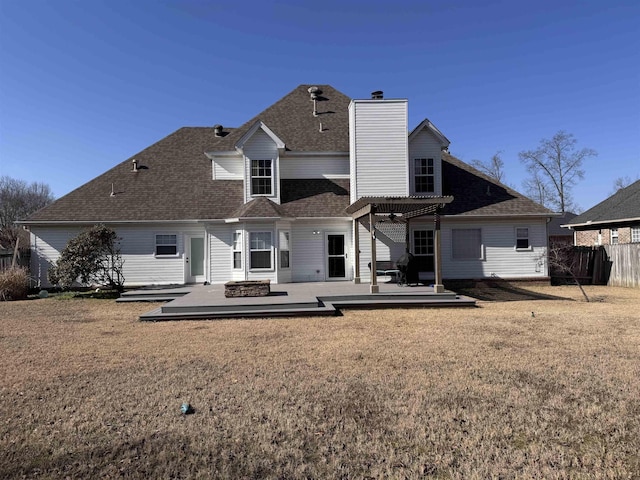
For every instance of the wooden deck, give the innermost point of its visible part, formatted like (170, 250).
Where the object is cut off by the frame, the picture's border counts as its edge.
(289, 299)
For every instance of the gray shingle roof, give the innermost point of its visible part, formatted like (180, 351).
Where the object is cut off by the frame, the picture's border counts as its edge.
(174, 181)
(291, 119)
(476, 194)
(622, 205)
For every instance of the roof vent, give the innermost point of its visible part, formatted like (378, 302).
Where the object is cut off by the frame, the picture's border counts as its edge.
(135, 165)
(377, 95)
(314, 92)
(217, 130)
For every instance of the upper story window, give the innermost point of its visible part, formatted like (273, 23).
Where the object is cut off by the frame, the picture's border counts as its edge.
(424, 175)
(166, 244)
(614, 236)
(261, 177)
(635, 234)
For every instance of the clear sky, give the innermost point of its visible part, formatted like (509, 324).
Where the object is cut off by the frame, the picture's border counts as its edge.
(87, 84)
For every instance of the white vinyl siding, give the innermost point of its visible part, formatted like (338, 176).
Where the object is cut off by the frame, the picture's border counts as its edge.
(220, 246)
(261, 147)
(425, 145)
(308, 256)
(227, 168)
(379, 148)
(314, 167)
(500, 258)
(137, 246)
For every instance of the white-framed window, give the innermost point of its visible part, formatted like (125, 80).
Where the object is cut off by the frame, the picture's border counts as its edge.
(466, 244)
(635, 234)
(237, 250)
(284, 248)
(423, 249)
(260, 251)
(522, 238)
(614, 236)
(424, 175)
(166, 245)
(261, 177)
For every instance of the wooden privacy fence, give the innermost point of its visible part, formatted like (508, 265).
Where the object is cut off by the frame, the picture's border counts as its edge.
(6, 259)
(625, 264)
(615, 265)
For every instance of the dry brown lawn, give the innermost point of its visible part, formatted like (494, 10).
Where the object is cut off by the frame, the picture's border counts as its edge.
(87, 391)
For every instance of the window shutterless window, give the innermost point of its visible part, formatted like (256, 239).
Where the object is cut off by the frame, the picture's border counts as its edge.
(466, 244)
(522, 238)
(614, 236)
(284, 249)
(261, 177)
(423, 248)
(166, 244)
(635, 234)
(424, 175)
(237, 250)
(260, 248)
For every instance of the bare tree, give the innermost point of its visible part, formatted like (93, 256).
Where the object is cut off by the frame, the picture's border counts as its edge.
(18, 199)
(622, 182)
(494, 168)
(537, 189)
(561, 259)
(557, 165)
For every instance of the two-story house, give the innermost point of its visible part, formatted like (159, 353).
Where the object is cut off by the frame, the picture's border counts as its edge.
(317, 187)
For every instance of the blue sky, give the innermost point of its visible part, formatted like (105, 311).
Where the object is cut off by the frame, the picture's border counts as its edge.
(87, 84)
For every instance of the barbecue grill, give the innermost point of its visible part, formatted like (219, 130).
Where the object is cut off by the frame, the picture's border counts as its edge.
(407, 265)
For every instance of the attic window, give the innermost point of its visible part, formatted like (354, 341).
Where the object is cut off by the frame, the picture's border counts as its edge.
(261, 177)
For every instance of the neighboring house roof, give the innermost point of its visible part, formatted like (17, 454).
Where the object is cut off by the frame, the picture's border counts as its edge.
(554, 228)
(174, 178)
(477, 194)
(621, 209)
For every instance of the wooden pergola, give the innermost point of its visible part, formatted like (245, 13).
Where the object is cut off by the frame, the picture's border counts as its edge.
(406, 207)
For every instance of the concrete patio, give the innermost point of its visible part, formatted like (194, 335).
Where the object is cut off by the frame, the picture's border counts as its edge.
(194, 302)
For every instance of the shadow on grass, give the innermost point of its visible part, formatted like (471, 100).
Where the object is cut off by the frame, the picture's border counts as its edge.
(501, 291)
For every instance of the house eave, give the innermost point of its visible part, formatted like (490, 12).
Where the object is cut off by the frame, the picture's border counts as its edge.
(591, 225)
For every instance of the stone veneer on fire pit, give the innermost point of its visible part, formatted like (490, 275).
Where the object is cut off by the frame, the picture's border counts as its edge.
(247, 288)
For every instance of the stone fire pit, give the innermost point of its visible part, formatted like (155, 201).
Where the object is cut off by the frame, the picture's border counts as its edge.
(247, 288)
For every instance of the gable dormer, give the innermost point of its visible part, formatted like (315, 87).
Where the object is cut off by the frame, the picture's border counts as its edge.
(261, 149)
(426, 143)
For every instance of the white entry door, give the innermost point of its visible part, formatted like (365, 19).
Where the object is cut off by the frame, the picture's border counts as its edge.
(194, 259)
(336, 257)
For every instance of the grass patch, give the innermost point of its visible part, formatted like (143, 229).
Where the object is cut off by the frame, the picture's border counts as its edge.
(87, 391)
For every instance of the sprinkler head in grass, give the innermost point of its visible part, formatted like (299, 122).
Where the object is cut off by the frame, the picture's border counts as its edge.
(186, 409)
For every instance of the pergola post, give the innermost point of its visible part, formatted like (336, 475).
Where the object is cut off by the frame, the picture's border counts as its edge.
(438, 287)
(356, 246)
(373, 288)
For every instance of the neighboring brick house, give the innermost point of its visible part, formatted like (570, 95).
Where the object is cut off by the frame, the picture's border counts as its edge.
(615, 220)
